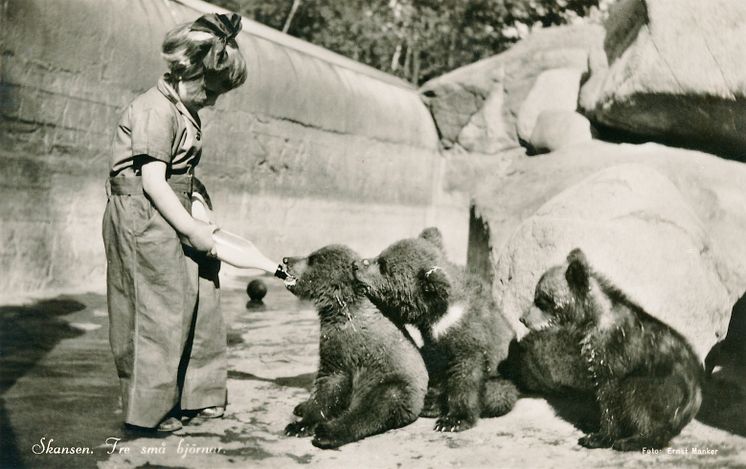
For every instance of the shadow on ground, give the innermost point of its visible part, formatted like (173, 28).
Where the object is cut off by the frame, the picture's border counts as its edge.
(27, 334)
(302, 381)
(581, 411)
(57, 380)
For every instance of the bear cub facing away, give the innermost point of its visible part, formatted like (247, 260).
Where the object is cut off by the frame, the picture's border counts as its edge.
(464, 335)
(371, 378)
(646, 377)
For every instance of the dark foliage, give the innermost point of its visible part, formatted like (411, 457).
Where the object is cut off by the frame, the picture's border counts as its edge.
(413, 39)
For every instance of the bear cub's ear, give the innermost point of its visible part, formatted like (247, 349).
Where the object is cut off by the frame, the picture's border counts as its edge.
(578, 271)
(433, 235)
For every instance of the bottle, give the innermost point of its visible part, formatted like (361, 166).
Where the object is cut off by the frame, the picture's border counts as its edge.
(233, 249)
(242, 253)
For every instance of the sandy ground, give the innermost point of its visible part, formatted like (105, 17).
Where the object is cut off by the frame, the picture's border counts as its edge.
(59, 390)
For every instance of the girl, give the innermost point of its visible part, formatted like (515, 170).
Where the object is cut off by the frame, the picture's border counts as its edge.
(166, 329)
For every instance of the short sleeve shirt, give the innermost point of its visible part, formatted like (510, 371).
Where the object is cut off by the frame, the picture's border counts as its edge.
(157, 124)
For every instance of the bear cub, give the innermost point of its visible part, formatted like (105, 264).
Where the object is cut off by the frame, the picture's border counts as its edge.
(371, 378)
(646, 377)
(464, 336)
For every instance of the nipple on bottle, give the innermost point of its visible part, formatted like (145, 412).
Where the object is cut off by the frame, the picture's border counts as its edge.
(283, 274)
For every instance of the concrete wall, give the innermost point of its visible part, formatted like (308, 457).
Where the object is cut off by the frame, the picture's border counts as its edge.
(313, 149)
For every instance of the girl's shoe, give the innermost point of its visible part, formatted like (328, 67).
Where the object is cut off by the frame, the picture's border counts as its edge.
(171, 424)
(211, 412)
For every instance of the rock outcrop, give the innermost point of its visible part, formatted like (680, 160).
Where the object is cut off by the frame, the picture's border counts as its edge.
(475, 107)
(555, 90)
(554, 130)
(675, 73)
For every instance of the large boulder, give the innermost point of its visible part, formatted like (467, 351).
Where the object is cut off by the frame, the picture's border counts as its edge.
(637, 230)
(714, 188)
(555, 129)
(475, 106)
(675, 73)
(554, 90)
(484, 131)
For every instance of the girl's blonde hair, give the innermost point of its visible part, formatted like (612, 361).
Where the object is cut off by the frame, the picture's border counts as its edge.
(184, 51)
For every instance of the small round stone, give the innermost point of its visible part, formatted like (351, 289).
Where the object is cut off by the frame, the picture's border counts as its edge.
(256, 289)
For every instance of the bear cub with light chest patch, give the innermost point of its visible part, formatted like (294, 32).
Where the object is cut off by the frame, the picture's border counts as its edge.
(646, 377)
(371, 378)
(464, 335)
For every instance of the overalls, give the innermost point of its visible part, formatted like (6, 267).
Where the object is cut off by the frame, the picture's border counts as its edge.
(165, 325)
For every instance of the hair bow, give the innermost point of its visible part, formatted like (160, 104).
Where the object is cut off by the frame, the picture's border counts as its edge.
(224, 29)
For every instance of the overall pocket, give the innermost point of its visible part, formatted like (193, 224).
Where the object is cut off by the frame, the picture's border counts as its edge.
(149, 224)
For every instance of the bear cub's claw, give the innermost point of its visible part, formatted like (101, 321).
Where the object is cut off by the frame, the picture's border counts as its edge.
(452, 424)
(299, 429)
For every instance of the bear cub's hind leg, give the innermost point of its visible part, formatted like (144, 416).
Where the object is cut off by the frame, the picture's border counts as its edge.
(374, 409)
(465, 382)
(327, 400)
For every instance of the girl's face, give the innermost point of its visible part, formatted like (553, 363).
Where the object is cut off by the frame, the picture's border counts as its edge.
(200, 92)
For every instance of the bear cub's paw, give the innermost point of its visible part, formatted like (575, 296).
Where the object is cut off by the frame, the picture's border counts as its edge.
(299, 429)
(327, 438)
(595, 440)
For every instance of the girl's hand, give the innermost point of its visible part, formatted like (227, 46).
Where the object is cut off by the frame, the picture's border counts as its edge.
(200, 237)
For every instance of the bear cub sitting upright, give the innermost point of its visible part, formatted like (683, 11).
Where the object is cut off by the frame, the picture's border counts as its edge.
(646, 377)
(464, 334)
(371, 378)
